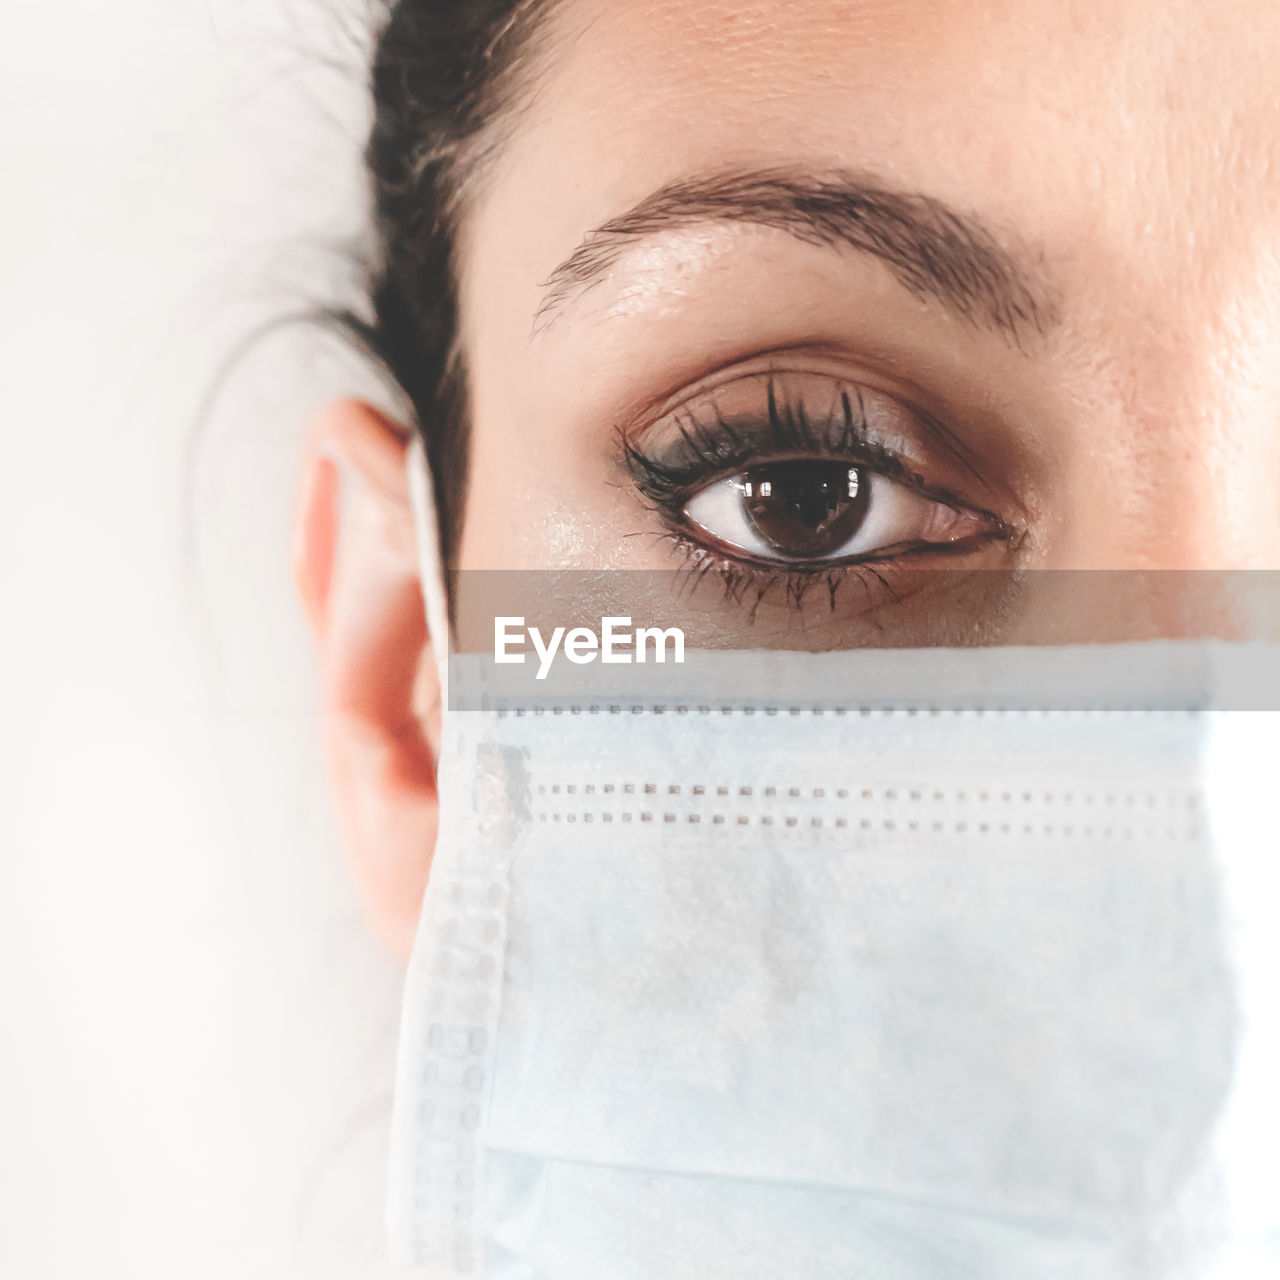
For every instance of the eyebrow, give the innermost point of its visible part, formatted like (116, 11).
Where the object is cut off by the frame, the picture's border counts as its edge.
(932, 249)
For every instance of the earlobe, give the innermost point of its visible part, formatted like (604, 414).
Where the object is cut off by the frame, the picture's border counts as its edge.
(355, 565)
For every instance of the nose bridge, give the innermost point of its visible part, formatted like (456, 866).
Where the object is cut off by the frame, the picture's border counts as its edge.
(1223, 429)
(1195, 381)
(1188, 310)
(1241, 512)
(1178, 486)
(1211, 460)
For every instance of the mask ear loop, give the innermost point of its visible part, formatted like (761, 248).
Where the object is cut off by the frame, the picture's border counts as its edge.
(430, 560)
(450, 1006)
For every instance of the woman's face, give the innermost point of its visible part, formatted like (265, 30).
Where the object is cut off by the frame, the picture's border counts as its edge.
(807, 309)
(833, 293)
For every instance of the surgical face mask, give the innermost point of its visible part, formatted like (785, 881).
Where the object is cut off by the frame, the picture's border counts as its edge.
(911, 965)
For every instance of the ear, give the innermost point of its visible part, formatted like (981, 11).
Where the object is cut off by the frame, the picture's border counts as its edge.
(355, 565)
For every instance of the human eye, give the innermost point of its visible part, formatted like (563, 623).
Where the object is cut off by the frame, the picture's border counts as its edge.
(790, 478)
(817, 511)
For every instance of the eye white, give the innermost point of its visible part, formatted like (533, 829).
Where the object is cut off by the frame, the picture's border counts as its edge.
(896, 516)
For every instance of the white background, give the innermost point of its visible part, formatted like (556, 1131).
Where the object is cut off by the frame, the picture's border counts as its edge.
(196, 1037)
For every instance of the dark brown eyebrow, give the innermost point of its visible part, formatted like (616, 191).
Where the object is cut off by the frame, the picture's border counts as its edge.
(932, 249)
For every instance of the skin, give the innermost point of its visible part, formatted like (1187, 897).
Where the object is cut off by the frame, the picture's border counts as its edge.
(1126, 155)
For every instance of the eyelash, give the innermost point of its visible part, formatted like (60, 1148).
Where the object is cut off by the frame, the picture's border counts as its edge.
(668, 477)
(748, 585)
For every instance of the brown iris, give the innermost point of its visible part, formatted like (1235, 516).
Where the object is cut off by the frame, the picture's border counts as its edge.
(806, 509)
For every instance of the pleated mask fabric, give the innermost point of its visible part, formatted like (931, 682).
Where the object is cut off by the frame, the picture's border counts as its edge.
(851, 979)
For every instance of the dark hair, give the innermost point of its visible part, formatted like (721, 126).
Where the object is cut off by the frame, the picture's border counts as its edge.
(442, 72)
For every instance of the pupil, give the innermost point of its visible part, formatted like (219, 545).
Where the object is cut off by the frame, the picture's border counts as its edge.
(805, 509)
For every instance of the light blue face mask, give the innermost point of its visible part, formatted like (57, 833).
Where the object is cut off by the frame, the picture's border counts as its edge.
(869, 984)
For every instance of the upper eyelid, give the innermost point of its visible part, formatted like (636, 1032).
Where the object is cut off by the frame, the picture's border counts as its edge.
(944, 442)
(867, 455)
(706, 450)
(643, 415)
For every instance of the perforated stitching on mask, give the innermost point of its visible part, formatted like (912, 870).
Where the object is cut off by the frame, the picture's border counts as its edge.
(1130, 799)
(505, 709)
(792, 821)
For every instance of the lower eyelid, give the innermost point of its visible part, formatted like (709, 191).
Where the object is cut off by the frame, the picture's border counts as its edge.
(791, 581)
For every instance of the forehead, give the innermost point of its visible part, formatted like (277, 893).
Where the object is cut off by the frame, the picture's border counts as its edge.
(1135, 126)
